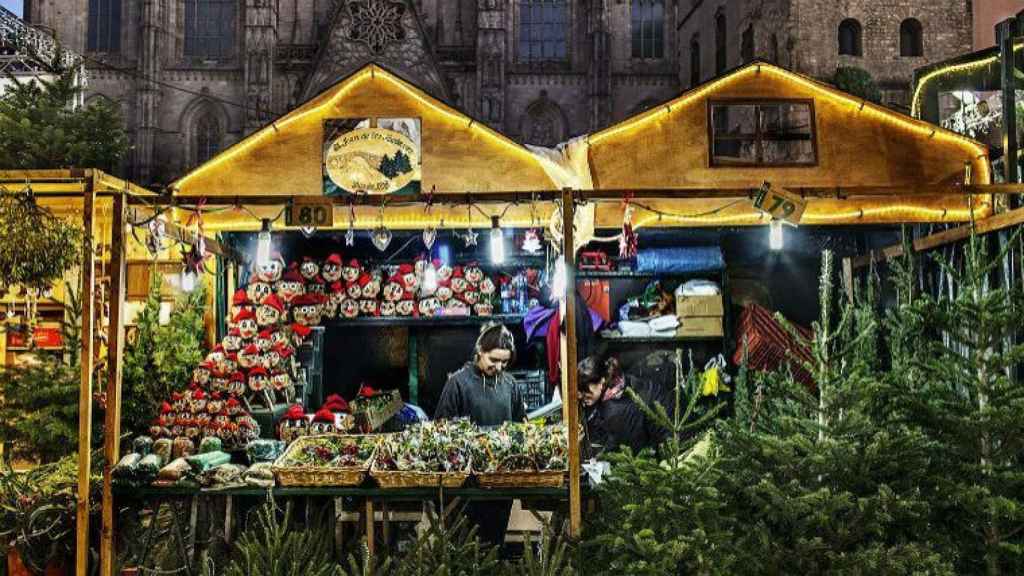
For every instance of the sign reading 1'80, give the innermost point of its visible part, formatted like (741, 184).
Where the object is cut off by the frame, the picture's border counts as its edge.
(311, 213)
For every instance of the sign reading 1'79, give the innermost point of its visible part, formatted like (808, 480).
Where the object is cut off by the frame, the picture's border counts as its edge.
(780, 203)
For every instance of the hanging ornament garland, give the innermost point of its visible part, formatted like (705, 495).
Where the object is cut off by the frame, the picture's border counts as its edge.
(627, 240)
(36, 247)
(429, 233)
(470, 237)
(350, 234)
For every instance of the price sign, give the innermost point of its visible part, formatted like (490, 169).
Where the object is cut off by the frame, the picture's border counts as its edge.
(310, 213)
(780, 203)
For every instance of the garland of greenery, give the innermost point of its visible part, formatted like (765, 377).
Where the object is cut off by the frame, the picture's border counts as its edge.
(36, 247)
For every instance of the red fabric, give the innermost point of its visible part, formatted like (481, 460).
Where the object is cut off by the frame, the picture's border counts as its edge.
(554, 348)
(769, 345)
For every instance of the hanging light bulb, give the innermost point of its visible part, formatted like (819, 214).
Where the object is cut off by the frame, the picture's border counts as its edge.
(558, 280)
(775, 238)
(188, 280)
(430, 280)
(263, 244)
(497, 242)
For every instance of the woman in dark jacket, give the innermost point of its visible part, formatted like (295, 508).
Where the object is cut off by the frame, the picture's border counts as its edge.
(483, 392)
(613, 420)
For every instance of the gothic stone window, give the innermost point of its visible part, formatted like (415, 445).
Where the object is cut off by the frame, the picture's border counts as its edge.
(762, 133)
(209, 29)
(747, 44)
(850, 43)
(104, 26)
(543, 124)
(721, 32)
(911, 41)
(208, 136)
(543, 30)
(648, 28)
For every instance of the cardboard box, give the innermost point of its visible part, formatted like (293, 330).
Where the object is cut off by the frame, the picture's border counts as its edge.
(687, 306)
(701, 326)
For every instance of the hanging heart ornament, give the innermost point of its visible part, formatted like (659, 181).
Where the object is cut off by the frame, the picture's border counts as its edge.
(381, 238)
(429, 236)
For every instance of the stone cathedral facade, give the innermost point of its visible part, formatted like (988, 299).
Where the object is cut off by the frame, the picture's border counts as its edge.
(194, 76)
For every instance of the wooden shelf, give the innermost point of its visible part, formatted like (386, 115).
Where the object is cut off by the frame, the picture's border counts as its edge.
(428, 322)
(659, 339)
(593, 274)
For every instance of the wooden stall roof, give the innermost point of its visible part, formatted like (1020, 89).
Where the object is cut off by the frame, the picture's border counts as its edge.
(861, 146)
(284, 158)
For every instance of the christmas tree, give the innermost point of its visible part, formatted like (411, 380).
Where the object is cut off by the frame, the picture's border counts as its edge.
(955, 367)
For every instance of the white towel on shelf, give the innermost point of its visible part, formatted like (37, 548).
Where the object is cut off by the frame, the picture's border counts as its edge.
(698, 288)
(664, 323)
(634, 329)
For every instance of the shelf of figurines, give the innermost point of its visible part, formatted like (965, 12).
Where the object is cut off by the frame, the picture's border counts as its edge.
(425, 456)
(424, 321)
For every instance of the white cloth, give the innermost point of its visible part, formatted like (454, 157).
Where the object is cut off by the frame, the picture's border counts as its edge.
(664, 323)
(698, 288)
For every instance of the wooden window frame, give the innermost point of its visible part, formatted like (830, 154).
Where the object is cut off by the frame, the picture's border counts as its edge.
(542, 64)
(758, 138)
(657, 50)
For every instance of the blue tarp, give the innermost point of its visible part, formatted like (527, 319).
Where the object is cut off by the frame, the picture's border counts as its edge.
(680, 260)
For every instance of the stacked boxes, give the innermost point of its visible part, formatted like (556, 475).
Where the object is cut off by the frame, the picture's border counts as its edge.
(700, 315)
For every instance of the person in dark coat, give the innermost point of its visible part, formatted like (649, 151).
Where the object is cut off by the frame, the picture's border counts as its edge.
(612, 418)
(483, 392)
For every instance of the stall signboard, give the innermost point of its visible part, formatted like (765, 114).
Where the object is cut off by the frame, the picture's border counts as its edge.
(46, 336)
(780, 203)
(310, 212)
(375, 156)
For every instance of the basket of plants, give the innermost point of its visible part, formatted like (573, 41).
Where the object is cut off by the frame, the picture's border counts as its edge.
(521, 455)
(372, 408)
(428, 454)
(325, 460)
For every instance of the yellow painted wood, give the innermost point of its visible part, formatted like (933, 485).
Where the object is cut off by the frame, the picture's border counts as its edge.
(85, 391)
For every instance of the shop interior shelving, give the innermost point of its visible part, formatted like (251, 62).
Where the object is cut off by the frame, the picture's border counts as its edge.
(436, 321)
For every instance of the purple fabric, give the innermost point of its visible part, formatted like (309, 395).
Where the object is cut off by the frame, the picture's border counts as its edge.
(538, 318)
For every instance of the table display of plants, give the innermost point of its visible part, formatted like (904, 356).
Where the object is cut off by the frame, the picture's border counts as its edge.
(425, 454)
(521, 454)
(326, 460)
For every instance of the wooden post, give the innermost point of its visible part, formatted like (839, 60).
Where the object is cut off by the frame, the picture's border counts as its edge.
(115, 355)
(568, 350)
(848, 278)
(85, 389)
(369, 526)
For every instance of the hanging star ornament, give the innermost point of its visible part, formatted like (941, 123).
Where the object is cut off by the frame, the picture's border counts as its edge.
(350, 237)
(429, 236)
(470, 237)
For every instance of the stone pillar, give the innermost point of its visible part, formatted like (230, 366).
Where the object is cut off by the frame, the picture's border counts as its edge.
(491, 59)
(258, 62)
(599, 73)
(147, 91)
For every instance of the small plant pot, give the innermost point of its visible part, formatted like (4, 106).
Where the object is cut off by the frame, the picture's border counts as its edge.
(15, 567)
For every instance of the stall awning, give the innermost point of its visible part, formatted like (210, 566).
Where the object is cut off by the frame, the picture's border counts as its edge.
(285, 158)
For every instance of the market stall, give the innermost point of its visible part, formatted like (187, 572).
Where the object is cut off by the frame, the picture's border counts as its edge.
(310, 221)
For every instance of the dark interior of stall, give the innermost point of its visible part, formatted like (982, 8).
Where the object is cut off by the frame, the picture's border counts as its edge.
(380, 352)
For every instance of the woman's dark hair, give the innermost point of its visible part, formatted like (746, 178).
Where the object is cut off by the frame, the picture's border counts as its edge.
(591, 369)
(495, 337)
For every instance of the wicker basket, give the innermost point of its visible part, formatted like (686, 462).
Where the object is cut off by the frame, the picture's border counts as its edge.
(317, 475)
(411, 479)
(522, 479)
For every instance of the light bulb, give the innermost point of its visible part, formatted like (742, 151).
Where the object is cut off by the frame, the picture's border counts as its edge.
(558, 281)
(263, 245)
(497, 242)
(775, 237)
(430, 280)
(188, 281)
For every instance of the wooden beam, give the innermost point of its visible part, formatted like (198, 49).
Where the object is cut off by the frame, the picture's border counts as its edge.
(182, 234)
(569, 375)
(932, 241)
(442, 197)
(85, 388)
(370, 521)
(115, 356)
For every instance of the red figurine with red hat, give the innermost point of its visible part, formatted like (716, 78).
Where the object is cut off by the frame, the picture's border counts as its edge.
(290, 286)
(294, 424)
(269, 312)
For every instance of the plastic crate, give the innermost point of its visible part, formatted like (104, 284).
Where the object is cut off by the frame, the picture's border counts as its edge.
(311, 359)
(533, 387)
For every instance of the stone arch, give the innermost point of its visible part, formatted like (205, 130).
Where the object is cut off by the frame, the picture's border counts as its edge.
(543, 123)
(205, 125)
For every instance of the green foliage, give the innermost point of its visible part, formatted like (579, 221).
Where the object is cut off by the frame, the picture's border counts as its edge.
(40, 128)
(448, 550)
(38, 510)
(663, 516)
(858, 82)
(955, 364)
(392, 167)
(272, 547)
(39, 409)
(554, 559)
(159, 358)
(36, 247)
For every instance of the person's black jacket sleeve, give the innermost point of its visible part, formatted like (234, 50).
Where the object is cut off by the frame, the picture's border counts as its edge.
(450, 405)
